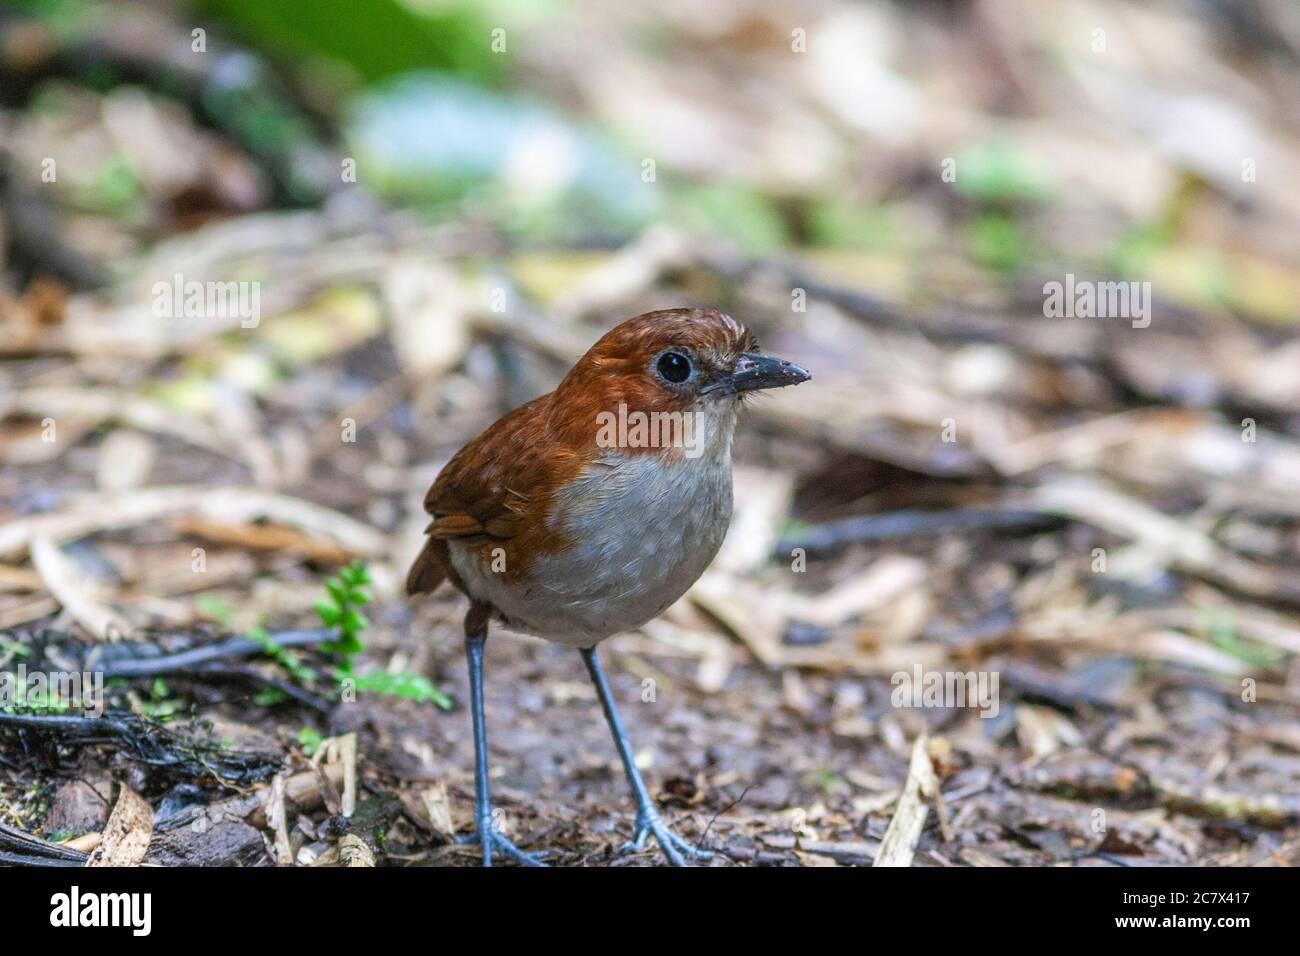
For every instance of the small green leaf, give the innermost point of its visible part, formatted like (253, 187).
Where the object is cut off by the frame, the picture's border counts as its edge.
(310, 740)
(270, 697)
(405, 685)
(212, 606)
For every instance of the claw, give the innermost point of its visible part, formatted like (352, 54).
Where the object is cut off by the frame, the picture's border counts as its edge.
(649, 823)
(497, 840)
(513, 852)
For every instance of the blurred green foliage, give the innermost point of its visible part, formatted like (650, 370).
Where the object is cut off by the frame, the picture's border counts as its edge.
(310, 740)
(115, 190)
(376, 39)
(61, 15)
(852, 225)
(998, 172)
(739, 212)
(997, 241)
(427, 109)
(1221, 631)
(1003, 182)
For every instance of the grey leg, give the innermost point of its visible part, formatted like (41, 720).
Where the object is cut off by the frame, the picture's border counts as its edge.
(648, 821)
(476, 628)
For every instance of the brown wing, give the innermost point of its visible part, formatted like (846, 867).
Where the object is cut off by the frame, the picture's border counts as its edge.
(493, 493)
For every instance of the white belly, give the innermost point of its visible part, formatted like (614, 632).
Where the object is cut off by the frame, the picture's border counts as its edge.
(644, 531)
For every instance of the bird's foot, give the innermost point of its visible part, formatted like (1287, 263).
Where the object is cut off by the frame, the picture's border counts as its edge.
(649, 823)
(492, 839)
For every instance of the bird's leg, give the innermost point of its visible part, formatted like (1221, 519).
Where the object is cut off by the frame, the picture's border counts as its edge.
(648, 821)
(476, 628)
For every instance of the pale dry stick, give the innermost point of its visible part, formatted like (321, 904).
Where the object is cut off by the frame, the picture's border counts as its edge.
(880, 583)
(276, 820)
(19, 579)
(1254, 623)
(712, 652)
(758, 618)
(36, 443)
(744, 609)
(239, 425)
(342, 750)
(72, 590)
(762, 502)
(260, 537)
(227, 504)
(1135, 634)
(306, 791)
(1159, 539)
(899, 843)
(436, 805)
(1081, 445)
(848, 853)
(30, 610)
(536, 329)
(99, 405)
(632, 269)
(421, 293)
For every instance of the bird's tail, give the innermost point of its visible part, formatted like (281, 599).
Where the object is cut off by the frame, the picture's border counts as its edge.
(429, 569)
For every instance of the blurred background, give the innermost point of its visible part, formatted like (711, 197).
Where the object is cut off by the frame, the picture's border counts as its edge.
(425, 211)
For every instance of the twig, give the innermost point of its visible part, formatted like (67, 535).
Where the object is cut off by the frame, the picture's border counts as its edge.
(232, 647)
(826, 539)
(249, 673)
(713, 819)
(148, 742)
(22, 849)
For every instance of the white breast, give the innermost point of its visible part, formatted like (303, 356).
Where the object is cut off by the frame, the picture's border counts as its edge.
(645, 527)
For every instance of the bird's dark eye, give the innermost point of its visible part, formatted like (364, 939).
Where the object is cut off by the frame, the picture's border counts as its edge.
(674, 367)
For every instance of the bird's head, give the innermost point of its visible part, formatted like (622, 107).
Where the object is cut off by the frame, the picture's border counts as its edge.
(678, 361)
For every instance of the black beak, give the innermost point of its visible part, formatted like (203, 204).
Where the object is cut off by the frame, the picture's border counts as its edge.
(755, 371)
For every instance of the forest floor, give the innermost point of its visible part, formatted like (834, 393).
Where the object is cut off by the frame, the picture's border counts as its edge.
(1096, 519)
(1137, 718)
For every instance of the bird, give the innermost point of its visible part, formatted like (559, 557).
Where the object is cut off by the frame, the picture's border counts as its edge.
(588, 511)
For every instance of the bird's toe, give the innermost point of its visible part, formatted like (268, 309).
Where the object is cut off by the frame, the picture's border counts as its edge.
(673, 847)
(519, 856)
(496, 842)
